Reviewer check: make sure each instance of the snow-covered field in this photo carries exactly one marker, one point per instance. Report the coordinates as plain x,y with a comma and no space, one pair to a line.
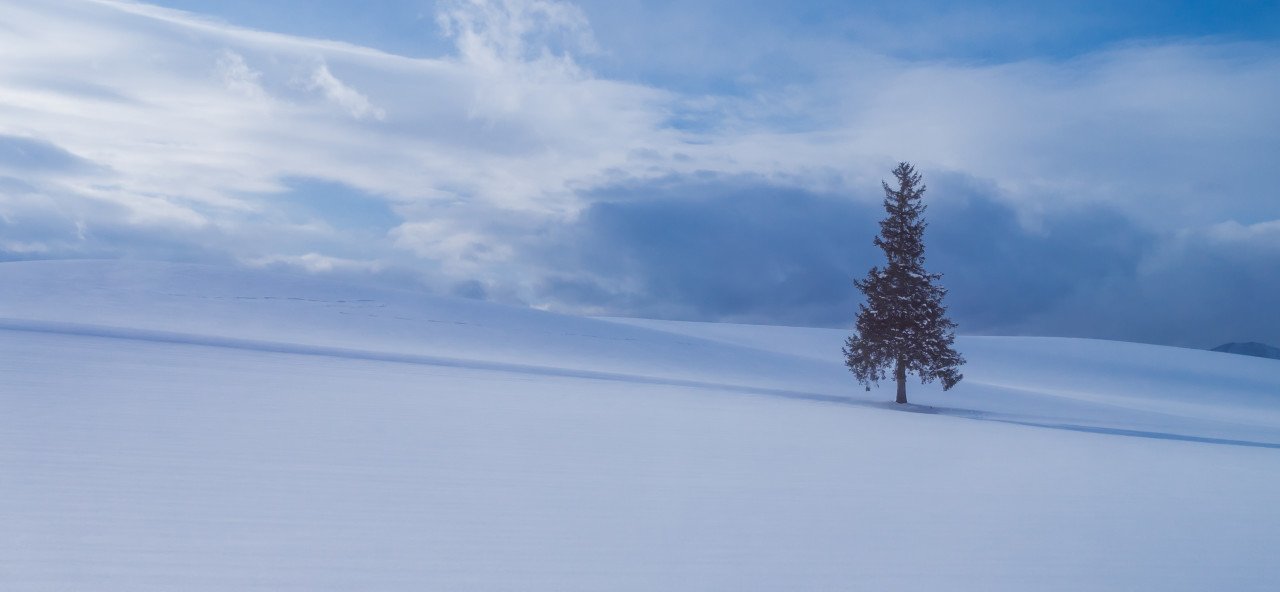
167,427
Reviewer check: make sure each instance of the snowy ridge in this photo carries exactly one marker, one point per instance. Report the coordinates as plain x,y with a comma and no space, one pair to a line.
167,337
214,302
1251,348
183,427
1085,384
1069,383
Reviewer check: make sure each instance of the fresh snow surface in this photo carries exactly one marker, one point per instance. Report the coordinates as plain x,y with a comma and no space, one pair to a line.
172,427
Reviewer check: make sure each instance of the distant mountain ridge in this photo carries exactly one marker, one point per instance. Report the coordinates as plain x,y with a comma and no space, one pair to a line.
1250,348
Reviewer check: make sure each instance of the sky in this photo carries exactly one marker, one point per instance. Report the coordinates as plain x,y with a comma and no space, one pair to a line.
1094,169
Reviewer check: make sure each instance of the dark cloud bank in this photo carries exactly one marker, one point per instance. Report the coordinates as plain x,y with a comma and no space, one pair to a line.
741,249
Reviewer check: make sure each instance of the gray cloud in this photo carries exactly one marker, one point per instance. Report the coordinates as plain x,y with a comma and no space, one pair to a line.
510,170
1003,271
35,224
1195,289
714,248
24,156
742,249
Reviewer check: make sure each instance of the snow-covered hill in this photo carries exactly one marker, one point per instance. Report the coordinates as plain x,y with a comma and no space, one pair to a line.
1250,348
167,427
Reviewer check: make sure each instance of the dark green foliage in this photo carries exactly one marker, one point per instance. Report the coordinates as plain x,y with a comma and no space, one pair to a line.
903,324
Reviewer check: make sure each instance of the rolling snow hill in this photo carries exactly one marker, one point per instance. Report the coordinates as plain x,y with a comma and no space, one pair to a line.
177,427
1250,348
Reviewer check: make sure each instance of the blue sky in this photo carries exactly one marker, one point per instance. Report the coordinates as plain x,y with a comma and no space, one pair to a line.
1097,169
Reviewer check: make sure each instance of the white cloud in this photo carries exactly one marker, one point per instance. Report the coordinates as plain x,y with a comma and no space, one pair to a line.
197,124
1247,235
23,248
238,76
494,34
344,96
317,263
465,253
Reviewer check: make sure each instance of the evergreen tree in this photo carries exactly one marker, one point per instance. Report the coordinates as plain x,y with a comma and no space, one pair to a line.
903,324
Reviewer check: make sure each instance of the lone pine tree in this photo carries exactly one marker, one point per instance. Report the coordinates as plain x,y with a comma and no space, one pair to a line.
903,324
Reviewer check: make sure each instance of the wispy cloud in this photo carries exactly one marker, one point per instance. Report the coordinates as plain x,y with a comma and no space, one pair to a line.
238,76
188,137
494,34
344,96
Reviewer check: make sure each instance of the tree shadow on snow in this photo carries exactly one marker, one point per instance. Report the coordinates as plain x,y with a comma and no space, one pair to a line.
1133,433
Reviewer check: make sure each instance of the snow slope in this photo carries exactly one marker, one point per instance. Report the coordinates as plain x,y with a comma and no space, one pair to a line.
170,427
1250,348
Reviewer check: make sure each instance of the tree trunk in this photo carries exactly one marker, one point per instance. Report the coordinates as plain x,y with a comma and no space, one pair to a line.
900,374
